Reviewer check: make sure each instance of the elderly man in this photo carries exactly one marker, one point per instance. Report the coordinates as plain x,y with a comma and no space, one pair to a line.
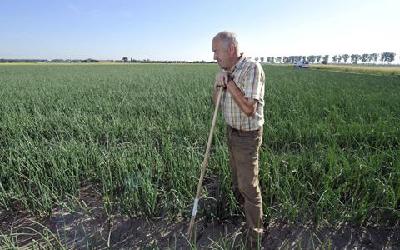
242,103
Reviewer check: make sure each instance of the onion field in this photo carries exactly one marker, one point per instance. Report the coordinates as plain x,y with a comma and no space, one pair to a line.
137,132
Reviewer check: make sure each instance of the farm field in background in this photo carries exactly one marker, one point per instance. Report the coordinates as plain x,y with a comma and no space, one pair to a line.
367,69
330,153
351,68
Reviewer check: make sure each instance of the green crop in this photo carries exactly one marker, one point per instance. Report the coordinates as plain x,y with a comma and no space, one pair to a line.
138,132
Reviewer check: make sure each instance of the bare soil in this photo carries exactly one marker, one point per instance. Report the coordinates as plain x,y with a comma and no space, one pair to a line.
90,227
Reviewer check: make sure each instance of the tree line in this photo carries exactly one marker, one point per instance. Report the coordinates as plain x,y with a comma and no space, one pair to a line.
385,57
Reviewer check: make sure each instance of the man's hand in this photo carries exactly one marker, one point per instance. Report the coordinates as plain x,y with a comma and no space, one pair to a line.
220,82
221,79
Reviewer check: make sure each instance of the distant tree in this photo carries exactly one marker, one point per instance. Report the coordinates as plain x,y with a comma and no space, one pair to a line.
388,57
339,58
256,58
262,59
334,58
355,58
374,57
57,60
311,59
319,58
325,59
89,60
345,57
370,58
279,59
364,57
124,59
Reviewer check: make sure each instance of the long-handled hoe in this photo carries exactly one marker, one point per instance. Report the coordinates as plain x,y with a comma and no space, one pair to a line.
204,166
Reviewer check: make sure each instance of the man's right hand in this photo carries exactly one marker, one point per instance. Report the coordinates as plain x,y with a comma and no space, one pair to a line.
220,82
221,79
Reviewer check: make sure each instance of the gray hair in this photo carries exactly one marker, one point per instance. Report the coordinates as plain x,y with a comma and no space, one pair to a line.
227,39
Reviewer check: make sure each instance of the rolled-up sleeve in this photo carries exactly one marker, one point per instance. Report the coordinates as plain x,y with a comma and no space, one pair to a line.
254,82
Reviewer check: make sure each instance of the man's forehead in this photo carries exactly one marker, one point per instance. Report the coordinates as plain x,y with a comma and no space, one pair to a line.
216,40
216,43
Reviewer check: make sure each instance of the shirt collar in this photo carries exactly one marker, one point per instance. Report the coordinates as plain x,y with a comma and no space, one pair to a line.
239,63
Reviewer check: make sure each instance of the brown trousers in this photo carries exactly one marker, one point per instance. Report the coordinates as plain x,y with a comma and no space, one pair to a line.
243,159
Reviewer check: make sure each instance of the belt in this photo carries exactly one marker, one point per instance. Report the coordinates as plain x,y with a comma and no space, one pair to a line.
237,130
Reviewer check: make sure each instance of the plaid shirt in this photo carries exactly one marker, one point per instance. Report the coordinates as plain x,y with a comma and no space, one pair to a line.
249,78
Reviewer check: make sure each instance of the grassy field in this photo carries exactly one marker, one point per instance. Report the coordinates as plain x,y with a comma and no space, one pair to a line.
363,69
330,153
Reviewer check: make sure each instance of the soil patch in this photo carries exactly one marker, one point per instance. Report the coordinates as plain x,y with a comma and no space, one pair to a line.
89,227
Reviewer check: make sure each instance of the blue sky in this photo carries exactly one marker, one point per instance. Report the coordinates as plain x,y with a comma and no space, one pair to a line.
183,29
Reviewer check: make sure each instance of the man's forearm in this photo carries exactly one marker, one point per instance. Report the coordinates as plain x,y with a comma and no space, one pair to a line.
247,106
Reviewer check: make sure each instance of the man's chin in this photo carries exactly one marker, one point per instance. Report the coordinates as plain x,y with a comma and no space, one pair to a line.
222,67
